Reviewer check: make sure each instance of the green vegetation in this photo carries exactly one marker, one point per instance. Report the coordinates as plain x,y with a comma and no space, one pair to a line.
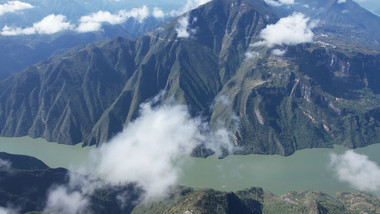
255,200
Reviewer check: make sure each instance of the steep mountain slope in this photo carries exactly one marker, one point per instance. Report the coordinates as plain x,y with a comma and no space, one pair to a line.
255,200
315,95
124,73
343,24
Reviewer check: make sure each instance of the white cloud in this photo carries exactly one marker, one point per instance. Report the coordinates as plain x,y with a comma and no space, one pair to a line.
151,150
181,29
190,5
94,21
219,140
357,170
49,25
14,6
158,13
279,2
138,13
251,55
292,30
341,1
148,148
4,164
224,100
278,52
7,210
61,200
72,197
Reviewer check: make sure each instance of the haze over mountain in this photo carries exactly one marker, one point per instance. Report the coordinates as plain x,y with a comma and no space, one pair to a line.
24,20
371,5
33,31
313,86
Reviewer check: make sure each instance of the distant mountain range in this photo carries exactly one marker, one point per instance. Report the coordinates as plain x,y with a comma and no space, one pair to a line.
312,88
19,52
22,48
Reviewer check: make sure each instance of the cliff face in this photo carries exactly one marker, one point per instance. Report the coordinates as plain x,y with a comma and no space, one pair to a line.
315,95
311,98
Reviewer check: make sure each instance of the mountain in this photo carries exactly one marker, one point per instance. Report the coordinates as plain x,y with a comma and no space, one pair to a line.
315,95
255,200
21,51
346,25
26,183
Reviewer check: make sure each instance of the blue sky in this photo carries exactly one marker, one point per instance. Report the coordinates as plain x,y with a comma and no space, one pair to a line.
371,5
27,16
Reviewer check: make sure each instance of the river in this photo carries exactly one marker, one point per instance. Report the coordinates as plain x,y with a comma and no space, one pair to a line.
304,170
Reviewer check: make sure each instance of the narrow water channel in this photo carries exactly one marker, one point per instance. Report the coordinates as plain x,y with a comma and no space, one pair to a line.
306,169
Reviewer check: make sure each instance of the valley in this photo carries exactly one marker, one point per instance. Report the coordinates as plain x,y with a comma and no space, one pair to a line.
220,106
307,169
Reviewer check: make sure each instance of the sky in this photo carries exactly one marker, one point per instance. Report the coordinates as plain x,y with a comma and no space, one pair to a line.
55,22
371,5
21,12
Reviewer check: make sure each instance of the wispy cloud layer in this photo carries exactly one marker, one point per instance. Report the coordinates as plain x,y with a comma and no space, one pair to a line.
7,210
190,5
279,52
14,6
94,21
292,30
73,197
62,201
251,55
4,164
183,28
277,3
149,150
49,25
158,13
357,170
149,153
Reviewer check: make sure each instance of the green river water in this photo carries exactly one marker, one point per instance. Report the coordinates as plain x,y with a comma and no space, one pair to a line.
306,169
